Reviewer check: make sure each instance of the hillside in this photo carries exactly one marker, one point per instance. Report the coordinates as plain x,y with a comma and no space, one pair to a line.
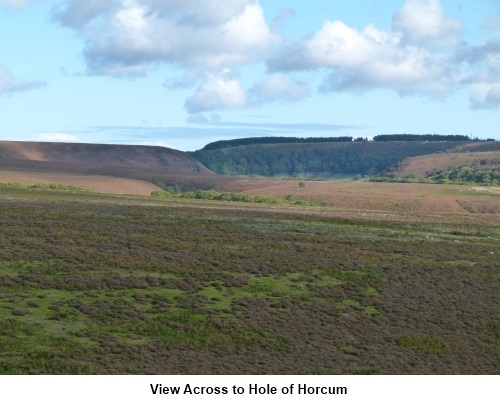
142,169
96,183
421,166
325,160
97,167
101,156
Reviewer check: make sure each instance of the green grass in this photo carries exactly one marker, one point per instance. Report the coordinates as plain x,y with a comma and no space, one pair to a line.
43,186
217,299
371,310
428,345
344,304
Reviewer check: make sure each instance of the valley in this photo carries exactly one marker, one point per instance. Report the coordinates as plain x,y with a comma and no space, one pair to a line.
98,276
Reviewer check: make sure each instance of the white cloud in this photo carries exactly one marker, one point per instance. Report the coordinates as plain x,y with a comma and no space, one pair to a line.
278,87
484,82
200,37
485,95
215,93
56,137
76,14
128,37
407,71
201,12
336,44
8,84
405,59
422,22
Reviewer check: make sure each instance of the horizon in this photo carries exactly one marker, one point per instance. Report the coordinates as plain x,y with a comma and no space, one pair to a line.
182,75
366,139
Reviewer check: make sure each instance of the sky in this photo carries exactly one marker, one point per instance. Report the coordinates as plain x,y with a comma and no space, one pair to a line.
183,73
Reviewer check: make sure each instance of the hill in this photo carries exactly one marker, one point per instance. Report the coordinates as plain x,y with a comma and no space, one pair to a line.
98,167
326,160
422,166
102,156
127,169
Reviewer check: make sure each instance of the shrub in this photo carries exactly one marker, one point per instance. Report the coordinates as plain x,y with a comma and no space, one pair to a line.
55,186
13,185
230,196
161,193
20,312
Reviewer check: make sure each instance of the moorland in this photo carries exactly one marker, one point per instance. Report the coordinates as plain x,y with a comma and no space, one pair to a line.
329,278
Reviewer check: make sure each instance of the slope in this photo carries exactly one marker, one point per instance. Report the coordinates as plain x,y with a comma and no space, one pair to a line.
99,167
421,166
325,160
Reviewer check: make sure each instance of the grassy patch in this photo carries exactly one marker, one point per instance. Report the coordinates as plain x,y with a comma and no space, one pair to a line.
428,345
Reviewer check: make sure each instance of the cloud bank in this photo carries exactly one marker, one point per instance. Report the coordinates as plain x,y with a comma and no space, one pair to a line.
423,23
129,36
403,59
422,53
484,83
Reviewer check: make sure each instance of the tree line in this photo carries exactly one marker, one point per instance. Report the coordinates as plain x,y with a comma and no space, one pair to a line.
266,140
273,140
325,160
422,138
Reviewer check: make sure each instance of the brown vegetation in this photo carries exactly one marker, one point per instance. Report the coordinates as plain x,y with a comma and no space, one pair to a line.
133,285
421,166
103,168
401,199
100,184
102,156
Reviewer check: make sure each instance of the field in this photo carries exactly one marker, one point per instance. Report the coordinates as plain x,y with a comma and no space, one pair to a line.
419,202
100,184
362,282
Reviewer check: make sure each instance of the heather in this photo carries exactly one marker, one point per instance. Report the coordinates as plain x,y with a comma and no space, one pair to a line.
97,284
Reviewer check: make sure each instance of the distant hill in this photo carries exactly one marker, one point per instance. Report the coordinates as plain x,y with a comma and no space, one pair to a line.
274,140
422,166
50,161
327,159
481,168
102,156
261,140
142,169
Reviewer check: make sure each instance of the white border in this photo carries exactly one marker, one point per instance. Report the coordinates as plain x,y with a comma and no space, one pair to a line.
124,390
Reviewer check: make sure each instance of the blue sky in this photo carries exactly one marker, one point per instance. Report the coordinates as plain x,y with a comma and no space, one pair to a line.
185,73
